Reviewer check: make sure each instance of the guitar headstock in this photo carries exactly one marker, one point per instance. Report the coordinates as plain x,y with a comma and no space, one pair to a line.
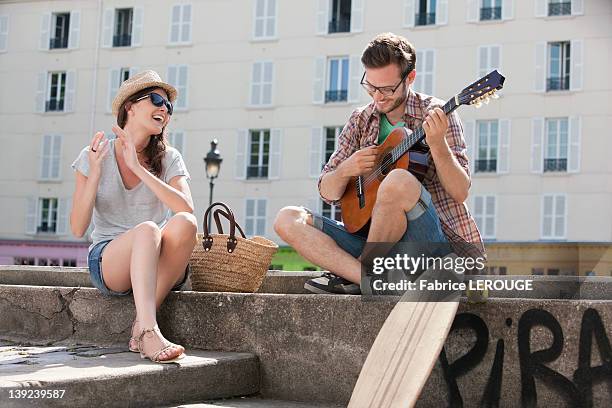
481,90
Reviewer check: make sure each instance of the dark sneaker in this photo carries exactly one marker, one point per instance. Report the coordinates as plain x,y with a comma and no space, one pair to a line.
328,283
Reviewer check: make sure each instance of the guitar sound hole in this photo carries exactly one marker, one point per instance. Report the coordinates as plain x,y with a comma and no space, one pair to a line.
386,164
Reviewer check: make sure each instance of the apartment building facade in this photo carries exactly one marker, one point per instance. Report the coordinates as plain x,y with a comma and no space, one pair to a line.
275,81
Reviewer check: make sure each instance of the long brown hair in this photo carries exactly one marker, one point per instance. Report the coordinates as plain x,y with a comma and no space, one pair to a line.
156,148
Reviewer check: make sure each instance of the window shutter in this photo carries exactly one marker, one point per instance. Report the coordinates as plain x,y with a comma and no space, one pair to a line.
495,58
357,16
31,221
483,61
469,127
576,50
409,12
75,29
177,140
503,159
547,216
45,23
316,151
56,157
133,71
322,17
318,84
473,7
137,26
442,12
70,91
241,153
577,7
430,64
489,216
560,216
4,22
183,79
355,72
537,148
62,216
541,8
271,20
41,92
507,9
107,30
275,153
313,205
113,86
186,24
256,83
175,24
268,80
45,157
540,67
574,145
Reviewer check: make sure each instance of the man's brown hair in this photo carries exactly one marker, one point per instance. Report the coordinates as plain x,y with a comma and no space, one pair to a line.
389,48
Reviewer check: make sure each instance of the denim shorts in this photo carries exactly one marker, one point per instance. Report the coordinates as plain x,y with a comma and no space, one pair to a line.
94,260
423,229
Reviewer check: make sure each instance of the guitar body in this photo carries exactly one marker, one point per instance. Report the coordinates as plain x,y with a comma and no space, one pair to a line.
356,217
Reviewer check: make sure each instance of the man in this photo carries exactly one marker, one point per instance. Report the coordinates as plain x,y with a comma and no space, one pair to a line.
405,209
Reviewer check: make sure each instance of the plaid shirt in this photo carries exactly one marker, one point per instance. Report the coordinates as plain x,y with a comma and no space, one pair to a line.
362,131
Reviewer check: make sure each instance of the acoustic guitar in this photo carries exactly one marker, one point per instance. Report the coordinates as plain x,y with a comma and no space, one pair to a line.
404,149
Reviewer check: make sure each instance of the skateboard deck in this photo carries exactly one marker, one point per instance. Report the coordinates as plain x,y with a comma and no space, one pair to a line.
405,350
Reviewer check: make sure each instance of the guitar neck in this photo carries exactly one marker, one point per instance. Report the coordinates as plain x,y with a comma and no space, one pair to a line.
419,134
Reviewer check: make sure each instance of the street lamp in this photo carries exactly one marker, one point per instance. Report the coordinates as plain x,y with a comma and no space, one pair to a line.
213,164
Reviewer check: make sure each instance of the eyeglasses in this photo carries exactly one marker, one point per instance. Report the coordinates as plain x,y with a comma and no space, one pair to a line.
157,100
384,90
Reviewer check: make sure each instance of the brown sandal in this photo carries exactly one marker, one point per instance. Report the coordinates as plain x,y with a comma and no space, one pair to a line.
133,343
159,346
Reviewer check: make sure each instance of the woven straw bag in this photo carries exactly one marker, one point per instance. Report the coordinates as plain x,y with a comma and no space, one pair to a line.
226,263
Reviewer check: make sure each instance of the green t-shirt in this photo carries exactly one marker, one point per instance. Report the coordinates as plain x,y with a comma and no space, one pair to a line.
386,127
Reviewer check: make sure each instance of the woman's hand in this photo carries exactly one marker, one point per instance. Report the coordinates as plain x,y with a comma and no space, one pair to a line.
128,149
97,150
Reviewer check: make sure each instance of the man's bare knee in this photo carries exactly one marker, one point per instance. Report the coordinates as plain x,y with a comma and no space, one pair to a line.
399,188
290,217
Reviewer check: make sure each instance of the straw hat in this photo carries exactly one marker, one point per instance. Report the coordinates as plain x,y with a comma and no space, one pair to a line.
138,82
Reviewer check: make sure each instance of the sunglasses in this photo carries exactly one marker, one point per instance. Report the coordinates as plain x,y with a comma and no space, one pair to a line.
157,100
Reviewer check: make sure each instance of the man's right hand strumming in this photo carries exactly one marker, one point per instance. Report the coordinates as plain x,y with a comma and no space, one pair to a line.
359,163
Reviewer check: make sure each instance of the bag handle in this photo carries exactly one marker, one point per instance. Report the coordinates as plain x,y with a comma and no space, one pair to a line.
227,217
231,240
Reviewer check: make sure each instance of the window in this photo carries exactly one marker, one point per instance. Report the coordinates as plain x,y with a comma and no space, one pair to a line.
486,159
484,214
558,66
491,10
489,58
69,262
24,261
537,271
178,77
116,78
51,157
180,24
331,211
48,215
553,216
56,92
331,138
261,83
426,13
559,8
338,77
340,21
255,221
556,145
425,66
122,33
259,154
264,26
176,139
552,271
60,25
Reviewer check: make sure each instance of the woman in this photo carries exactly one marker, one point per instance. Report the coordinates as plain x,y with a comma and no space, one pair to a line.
131,184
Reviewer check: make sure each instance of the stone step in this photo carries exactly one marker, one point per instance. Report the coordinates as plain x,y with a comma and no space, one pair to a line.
247,402
92,376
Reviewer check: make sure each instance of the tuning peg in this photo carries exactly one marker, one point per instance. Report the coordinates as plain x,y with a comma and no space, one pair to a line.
478,104
494,95
486,100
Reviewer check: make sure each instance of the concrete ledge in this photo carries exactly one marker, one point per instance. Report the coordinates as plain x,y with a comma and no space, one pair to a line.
311,347
90,376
